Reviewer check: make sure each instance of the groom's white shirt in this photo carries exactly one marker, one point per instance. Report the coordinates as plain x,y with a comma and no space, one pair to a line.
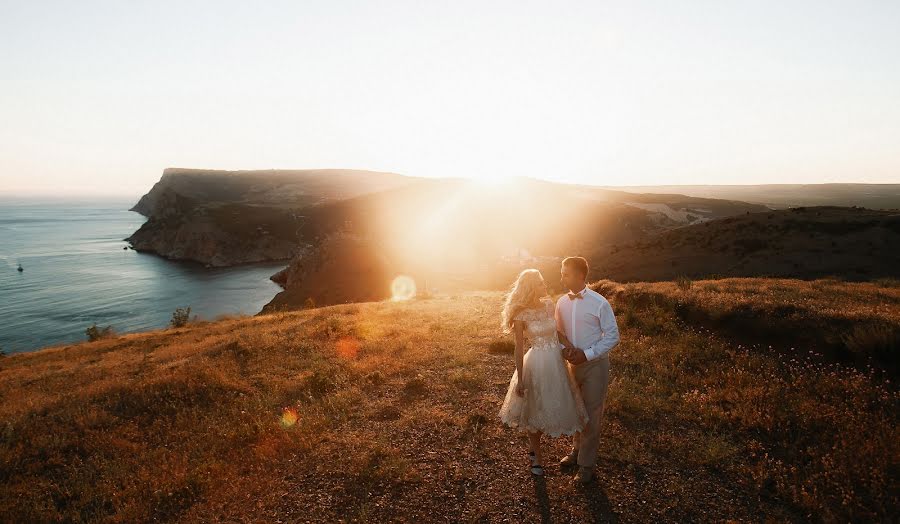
588,323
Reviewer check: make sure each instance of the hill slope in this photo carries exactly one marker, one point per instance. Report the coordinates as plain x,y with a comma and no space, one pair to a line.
456,232
224,218
777,196
387,411
810,242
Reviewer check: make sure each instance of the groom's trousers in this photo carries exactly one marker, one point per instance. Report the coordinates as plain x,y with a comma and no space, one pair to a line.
593,380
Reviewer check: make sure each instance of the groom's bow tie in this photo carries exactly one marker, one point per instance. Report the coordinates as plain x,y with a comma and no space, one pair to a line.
573,296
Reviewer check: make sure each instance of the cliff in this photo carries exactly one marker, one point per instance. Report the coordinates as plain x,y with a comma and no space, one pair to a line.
217,235
224,218
340,269
271,188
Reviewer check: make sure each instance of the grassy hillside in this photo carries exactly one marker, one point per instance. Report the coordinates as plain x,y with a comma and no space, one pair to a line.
450,231
813,242
270,187
852,323
387,411
873,196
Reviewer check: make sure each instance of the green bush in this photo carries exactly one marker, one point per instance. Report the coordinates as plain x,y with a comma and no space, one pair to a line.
96,333
684,283
180,317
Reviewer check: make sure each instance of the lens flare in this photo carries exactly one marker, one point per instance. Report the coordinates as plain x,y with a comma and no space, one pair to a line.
347,348
403,288
289,417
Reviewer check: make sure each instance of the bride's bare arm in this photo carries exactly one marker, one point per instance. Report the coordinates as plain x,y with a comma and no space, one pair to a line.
559,330
519,330
563,340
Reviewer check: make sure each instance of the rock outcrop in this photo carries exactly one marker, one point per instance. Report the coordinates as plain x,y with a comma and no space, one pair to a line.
225,218
341,268
181,228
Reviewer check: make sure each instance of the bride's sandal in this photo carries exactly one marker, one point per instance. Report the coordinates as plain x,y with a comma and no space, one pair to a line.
536,469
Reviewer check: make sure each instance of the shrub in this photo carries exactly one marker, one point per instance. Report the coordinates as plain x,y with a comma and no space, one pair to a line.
180,317
322,382
376,378
415,387
310,303
683,283
879,341
502,347
607,288
96,333
887,282
465,379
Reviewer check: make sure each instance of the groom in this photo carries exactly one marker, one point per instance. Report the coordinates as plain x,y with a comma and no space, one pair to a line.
587,320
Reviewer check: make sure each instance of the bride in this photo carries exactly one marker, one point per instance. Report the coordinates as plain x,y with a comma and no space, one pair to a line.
542,395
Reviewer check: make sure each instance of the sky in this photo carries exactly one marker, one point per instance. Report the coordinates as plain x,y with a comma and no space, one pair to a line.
98,97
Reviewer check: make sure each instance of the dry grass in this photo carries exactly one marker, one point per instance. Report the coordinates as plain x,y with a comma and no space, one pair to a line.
854,323
387,411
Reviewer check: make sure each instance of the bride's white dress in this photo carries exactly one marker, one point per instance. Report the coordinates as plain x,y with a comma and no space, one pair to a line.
552,403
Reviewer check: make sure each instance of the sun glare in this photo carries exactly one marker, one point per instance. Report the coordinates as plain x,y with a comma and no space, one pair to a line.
289,417
347,348
403,288
492,180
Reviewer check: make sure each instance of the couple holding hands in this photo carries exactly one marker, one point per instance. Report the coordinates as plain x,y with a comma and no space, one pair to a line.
561,378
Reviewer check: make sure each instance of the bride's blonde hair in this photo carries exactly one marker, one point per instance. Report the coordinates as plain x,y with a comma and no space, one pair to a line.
525,293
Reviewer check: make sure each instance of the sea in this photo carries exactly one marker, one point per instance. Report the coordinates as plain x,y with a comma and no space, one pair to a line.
77,272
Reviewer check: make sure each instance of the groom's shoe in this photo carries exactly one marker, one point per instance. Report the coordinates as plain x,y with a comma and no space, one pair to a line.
570,460
585,474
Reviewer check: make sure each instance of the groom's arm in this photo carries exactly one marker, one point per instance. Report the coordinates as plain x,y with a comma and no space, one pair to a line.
610,333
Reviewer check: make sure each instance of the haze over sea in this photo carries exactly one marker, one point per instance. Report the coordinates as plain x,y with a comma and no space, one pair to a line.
77,273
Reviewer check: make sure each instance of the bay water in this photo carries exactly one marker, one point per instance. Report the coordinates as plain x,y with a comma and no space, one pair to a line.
76,273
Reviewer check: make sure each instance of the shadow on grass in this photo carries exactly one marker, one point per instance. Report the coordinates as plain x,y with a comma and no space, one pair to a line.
540,493
597,502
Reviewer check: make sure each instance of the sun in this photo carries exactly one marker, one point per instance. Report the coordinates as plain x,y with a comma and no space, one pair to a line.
492,179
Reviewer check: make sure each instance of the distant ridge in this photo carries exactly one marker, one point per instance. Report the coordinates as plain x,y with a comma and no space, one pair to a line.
224,218
872,196
805,242
279,187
